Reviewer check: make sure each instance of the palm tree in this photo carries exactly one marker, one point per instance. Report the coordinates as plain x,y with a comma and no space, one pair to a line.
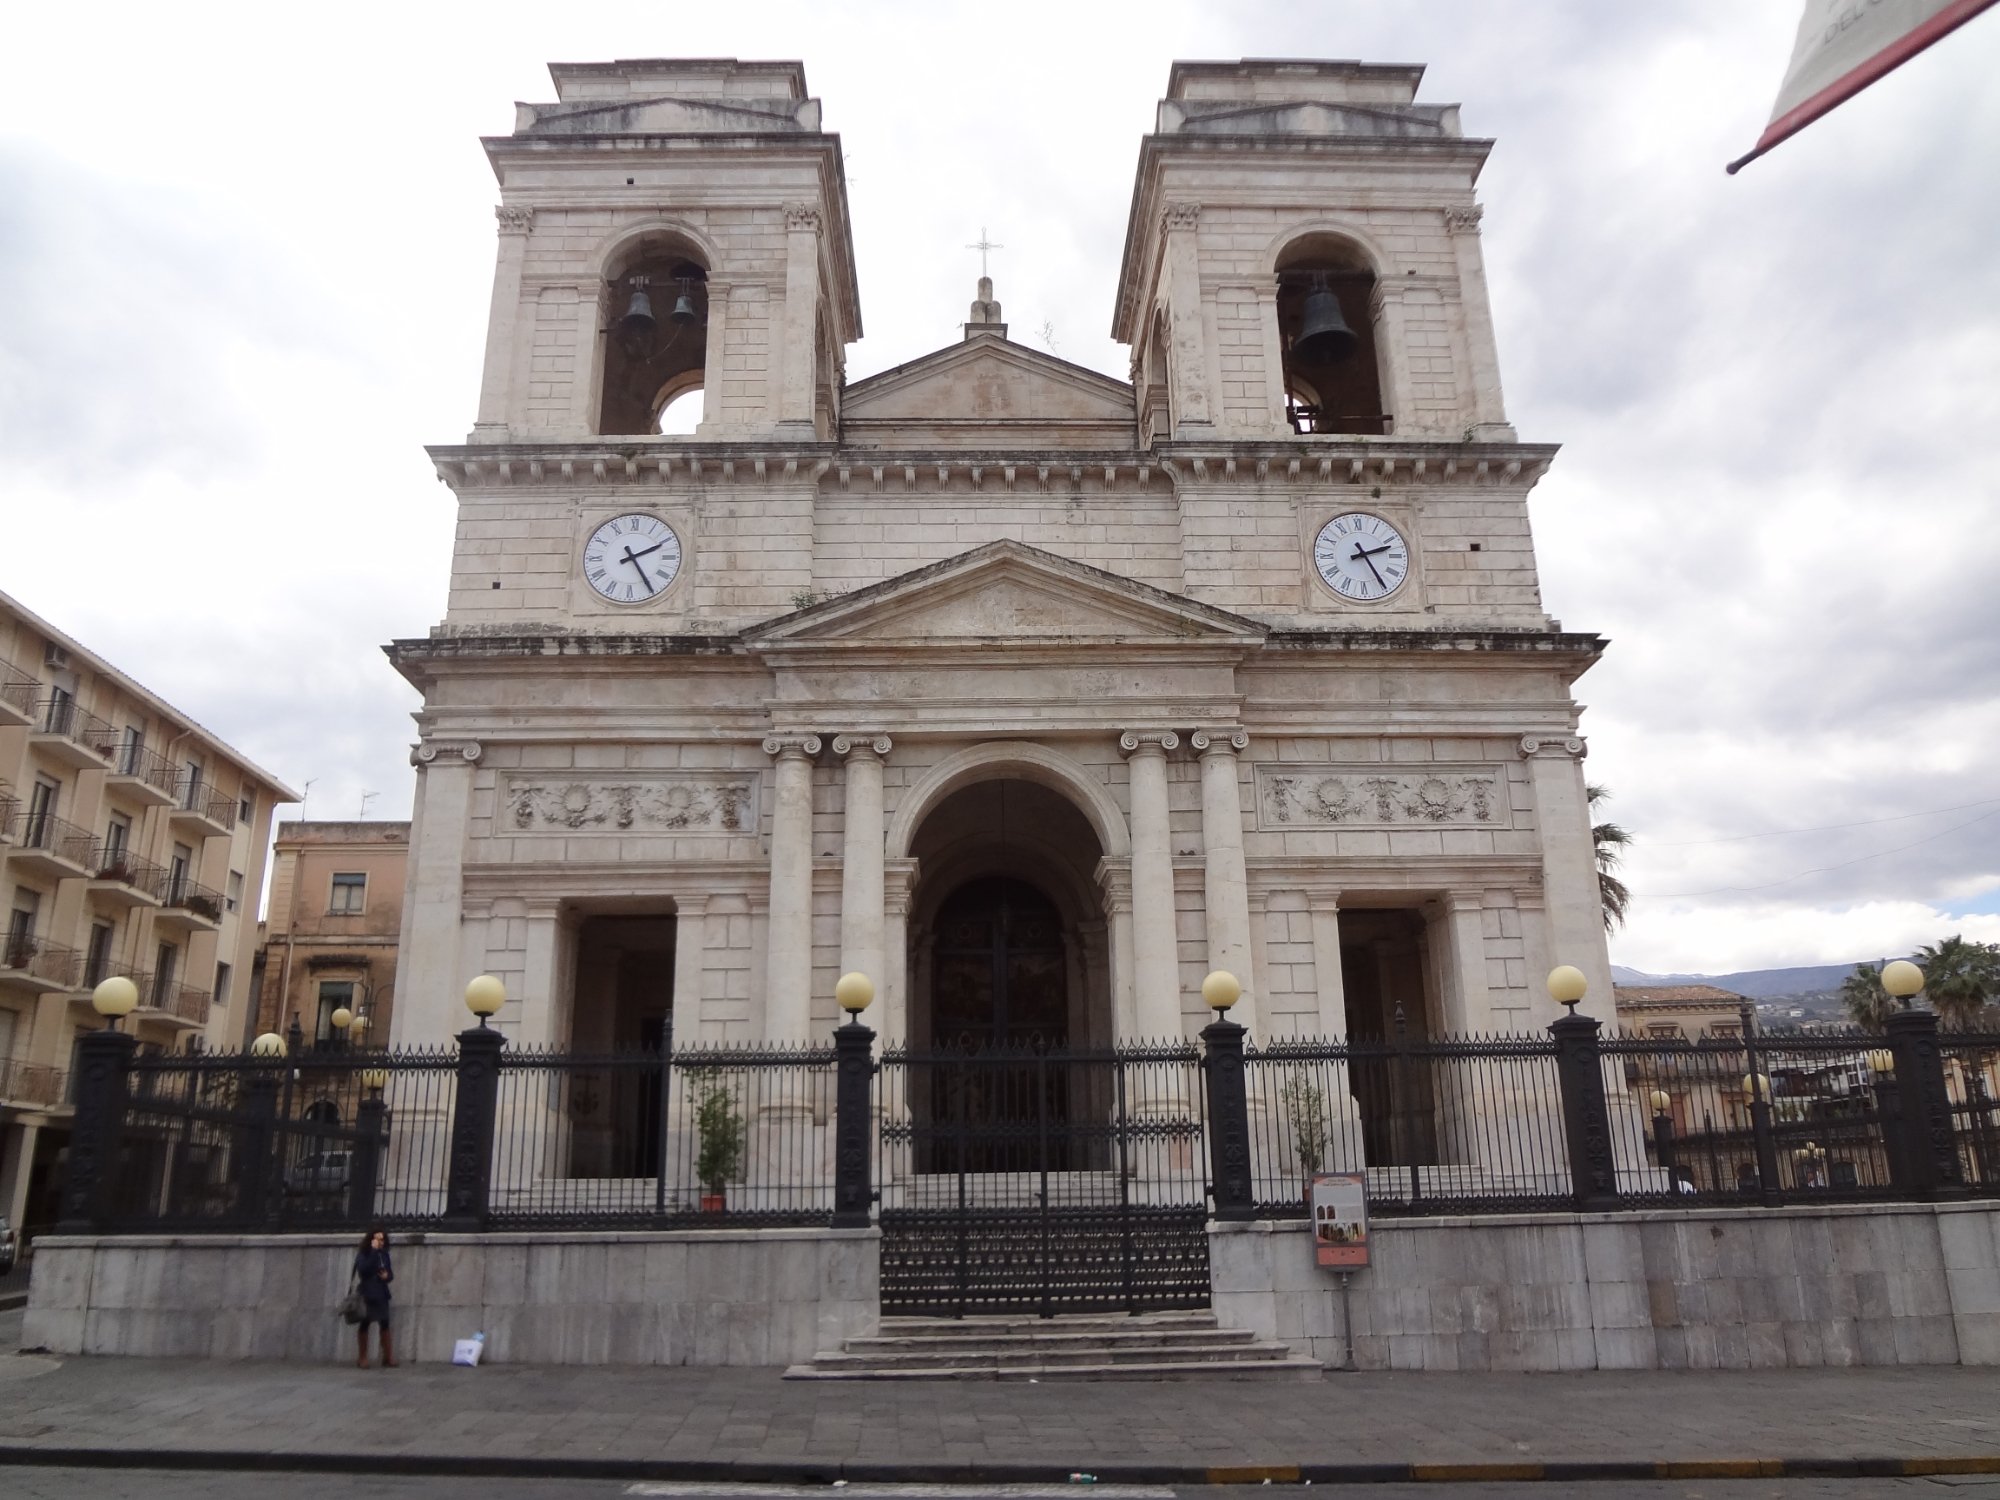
1866,1001
1608,841
1960,978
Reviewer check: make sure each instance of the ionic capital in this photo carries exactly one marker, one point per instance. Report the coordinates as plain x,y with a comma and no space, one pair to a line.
1225,739
792,746
425,753
1560,747
1148,741
862,745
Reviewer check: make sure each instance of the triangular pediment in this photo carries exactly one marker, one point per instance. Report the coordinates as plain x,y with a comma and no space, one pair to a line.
989,378
1007,594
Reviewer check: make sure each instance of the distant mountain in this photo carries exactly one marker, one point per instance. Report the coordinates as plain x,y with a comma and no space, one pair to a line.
1758,984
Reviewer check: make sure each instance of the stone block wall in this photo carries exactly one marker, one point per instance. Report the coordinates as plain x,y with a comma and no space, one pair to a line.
718,1297
1891,1284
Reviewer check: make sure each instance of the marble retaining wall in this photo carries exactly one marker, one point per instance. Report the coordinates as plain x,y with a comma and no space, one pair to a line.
1758,1288
717,1297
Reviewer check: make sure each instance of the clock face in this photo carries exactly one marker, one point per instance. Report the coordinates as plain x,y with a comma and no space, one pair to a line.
632,558
1361,557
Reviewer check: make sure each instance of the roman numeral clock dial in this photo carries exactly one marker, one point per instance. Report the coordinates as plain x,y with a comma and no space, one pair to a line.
1361,557
632,558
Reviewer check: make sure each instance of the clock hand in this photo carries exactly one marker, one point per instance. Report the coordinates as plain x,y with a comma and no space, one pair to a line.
1362,554
630,554
632,558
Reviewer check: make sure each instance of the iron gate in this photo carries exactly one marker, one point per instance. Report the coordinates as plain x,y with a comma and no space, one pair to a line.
1041,1182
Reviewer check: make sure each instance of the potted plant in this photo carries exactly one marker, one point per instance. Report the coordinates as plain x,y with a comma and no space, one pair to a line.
1305,1112
719,1135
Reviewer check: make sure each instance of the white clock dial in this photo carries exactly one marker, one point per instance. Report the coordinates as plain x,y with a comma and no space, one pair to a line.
1361,557
632,558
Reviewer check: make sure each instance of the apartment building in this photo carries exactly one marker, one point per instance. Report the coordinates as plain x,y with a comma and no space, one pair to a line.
330,939
131,842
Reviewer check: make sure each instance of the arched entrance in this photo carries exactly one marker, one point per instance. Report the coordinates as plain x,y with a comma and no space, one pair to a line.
1037,1167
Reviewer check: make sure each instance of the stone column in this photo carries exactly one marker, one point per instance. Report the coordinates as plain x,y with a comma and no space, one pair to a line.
1323,909
503,325
539,1012
1399,400
895,981
798,329
1575,917
1471,1009
1155,959
788,942
861,893
1115,880
1226,885
429,981
690,961
1486,411
1187,358
715,358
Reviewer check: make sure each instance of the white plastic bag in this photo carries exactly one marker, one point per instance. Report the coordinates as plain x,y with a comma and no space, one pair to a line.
467,1351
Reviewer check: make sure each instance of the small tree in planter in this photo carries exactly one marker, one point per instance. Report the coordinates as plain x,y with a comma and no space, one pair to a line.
1305,1112
719,1135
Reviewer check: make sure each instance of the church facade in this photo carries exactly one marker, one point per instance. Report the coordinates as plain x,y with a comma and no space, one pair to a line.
1033,694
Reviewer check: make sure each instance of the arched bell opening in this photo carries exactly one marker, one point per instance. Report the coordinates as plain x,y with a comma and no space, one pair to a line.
654,346
1326,331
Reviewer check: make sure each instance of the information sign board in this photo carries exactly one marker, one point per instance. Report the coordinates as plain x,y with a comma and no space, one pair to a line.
1340,1220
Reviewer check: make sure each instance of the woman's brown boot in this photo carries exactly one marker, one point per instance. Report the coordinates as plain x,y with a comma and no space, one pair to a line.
388,1348
361,1347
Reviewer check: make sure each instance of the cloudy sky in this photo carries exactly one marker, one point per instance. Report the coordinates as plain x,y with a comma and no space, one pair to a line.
245,255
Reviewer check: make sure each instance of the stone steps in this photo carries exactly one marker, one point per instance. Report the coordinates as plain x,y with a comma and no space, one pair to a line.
1153,1346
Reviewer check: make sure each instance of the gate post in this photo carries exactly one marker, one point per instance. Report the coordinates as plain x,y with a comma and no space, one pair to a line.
1228,1104
371,1123
103,1086
254,1139
472,1121
854,1071
1929,1144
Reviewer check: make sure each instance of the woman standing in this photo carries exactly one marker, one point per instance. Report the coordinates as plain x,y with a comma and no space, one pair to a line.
373,1273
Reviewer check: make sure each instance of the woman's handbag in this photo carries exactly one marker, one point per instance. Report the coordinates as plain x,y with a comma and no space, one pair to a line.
350,1308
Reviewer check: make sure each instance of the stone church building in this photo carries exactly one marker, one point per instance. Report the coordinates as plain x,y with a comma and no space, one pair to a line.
1031,693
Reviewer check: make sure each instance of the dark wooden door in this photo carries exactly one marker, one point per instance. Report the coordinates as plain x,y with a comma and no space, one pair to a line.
999,976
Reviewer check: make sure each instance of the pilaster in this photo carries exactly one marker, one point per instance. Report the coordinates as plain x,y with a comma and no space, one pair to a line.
429,978
1155,969
788,944
1225,884
503,333
861,893
1575,914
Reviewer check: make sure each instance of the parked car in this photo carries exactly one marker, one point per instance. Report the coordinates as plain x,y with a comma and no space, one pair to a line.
319,1172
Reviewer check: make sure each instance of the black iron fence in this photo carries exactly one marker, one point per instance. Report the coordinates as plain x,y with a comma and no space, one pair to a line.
1006,1180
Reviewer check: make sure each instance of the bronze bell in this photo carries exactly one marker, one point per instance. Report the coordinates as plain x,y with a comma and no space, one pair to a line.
684,310
637,324
1324,337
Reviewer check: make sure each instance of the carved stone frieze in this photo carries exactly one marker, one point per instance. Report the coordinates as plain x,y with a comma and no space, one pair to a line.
668,803
1381,797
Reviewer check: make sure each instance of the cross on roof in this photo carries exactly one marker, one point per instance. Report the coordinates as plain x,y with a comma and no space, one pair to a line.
982,245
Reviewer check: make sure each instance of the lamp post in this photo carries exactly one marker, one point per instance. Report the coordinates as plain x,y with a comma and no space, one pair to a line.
372,1128
1228,1102
1593,1170
476,1107
103,1087
1663,1134
854,1072
1929,1147
114,1000
340,1020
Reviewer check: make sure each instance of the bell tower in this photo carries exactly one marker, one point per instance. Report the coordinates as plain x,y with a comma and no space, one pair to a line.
671,232
1303,258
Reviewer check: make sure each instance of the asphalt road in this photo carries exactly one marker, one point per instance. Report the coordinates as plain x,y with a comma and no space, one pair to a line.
155,1484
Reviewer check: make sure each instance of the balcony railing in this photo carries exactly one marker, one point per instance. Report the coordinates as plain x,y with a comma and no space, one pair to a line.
30,1084
72,721
55,836
196,798
149,766
18,690
192,897
181,1001
52,963
125,867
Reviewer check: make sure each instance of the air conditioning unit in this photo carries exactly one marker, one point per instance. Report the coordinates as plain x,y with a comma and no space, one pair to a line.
54,656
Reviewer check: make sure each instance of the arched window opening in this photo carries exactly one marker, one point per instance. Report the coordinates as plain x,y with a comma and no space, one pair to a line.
656,341
681,411
1326,327
322,1112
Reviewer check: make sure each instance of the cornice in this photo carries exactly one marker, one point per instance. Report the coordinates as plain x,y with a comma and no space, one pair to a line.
624,462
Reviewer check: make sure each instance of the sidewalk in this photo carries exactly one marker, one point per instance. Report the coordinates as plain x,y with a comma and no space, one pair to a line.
749,1424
